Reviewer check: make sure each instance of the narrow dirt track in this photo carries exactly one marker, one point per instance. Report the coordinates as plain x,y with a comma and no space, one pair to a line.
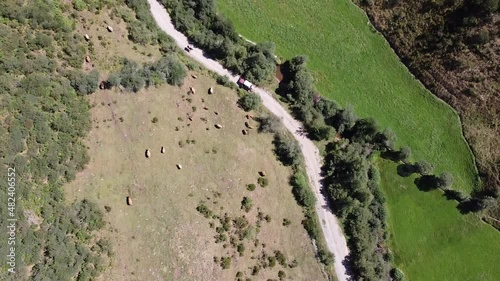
331,229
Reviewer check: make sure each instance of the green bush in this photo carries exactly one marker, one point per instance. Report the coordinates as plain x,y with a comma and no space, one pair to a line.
251,187
83,83
270,124
397,274
301,189
204,210
225,262
287,150
134,77
240,249
249,101
246,204
263,182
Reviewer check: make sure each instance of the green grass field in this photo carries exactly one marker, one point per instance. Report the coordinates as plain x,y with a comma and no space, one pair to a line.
431,240
354,65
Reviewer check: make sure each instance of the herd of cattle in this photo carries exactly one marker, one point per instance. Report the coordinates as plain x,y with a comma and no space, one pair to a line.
192,90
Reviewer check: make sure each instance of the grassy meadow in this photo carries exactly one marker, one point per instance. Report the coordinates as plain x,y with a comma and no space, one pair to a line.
431,240
162,236
355,66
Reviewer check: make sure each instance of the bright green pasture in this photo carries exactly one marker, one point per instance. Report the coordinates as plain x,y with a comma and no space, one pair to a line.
431,240
354,65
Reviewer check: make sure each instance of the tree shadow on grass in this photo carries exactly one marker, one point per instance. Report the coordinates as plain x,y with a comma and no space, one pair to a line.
405,170
426,183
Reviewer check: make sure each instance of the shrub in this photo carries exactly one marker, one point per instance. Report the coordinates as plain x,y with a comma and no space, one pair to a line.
204,210
224,81
249,101
225,262
83,83
301,189
251,187
325,257
280,257
270,124
287,150
263,182
154,120
286,222
281,274
397,274
246,204
240,249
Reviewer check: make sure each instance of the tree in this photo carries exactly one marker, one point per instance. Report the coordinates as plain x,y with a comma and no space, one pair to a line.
397,274
444,180
287,150
404,153
487,202
345,119
249,101
270,124
385,140
423,167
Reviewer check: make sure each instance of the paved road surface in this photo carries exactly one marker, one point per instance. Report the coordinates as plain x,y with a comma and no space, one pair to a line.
331,229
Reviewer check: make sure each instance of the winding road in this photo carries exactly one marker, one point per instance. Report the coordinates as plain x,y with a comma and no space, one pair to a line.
332,231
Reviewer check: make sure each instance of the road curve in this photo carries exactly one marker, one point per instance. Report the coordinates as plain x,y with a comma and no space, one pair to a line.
332,231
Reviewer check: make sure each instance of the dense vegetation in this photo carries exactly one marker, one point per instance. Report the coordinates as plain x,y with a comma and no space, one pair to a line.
216,35
451,47
133,77
44,119
142,27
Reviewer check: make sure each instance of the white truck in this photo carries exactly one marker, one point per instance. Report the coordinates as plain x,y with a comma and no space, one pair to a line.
245,84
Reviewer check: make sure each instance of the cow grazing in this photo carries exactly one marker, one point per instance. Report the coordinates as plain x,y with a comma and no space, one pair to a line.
162,150
148,153
129,201
244,132
192,90
109,28
248,125
262,173
211,90
87,37
179,166
218,126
